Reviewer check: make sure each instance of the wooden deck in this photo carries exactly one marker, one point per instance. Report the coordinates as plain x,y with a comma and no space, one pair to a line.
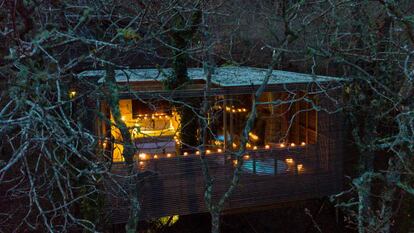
175,186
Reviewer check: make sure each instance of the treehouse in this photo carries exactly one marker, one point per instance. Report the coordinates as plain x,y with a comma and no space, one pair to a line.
294,151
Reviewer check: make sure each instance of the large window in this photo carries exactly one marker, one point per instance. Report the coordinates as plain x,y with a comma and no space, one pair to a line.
282,119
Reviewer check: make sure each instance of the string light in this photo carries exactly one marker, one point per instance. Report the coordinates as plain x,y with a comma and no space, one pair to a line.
246,157
255,148
155,156
253,136
197,152
208,151
168,155
185,153
143,156
289,160
303,144
267,147
282,145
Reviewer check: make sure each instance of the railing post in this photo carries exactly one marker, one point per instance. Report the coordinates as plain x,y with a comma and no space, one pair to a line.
254,162
275,164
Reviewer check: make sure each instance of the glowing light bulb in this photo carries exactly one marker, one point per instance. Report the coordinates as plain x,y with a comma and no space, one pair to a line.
197,152
155,156
219,150
267,147
282,145
289,160
303,144
246,157
255,148
300,167
292,144
168,155
208,151
185,153
141,163
142,156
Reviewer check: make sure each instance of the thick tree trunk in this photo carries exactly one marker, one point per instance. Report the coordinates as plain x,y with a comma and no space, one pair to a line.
128,152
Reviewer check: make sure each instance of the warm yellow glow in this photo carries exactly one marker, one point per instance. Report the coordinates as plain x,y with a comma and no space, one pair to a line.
234,145
219,150
235,162
197,152
123,118
228,109
169,155
233,110
289,160
143,156
244,110
117,153
300,167
282,145
239,110
155,156
303,144
292,144
72,94
208,151
267,147
255,148
185,153
168,220
246,157
141,163
248,145
253,136
104,144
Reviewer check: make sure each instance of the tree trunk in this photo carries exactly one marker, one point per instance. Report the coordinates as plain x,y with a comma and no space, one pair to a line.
215,222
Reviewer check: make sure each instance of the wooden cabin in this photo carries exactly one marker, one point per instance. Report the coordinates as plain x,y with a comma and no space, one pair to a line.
294,150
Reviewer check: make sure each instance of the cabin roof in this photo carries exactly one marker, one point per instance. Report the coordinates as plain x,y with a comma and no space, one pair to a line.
229,76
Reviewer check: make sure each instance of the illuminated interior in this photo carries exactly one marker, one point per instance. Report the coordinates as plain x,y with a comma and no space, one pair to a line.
288,120
153,131
154,125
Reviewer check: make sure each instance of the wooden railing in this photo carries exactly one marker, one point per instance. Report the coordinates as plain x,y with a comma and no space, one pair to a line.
175,185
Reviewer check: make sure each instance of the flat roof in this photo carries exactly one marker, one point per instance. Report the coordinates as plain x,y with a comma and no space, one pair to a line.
228,76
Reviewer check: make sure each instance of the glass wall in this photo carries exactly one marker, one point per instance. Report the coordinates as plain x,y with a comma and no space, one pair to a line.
284,119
